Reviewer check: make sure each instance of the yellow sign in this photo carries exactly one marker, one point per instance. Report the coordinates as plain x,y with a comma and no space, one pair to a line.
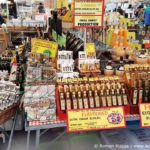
88,7
84,21
95,119
43,46
90,47
88,13
145,115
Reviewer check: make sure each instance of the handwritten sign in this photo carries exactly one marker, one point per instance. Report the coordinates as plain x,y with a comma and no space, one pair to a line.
145,115
95,119
88,13
43,46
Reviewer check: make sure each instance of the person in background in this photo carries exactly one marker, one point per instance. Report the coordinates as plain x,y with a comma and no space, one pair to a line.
41,8
120,11
1,19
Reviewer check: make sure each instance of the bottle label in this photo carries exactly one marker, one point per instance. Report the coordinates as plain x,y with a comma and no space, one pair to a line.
125,100
114,100
97,102
140,95
85,103
119,100
80,104
135,97
104,102
62,103
109,102
68,104
75,106
91,103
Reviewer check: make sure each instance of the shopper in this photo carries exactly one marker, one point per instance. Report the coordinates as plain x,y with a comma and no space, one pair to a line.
1,19
147,18
41,8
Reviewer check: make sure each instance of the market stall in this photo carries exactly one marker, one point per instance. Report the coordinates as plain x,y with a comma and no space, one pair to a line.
84,69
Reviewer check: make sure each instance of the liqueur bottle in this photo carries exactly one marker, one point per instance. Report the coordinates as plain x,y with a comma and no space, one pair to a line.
103,99
80,102
91,100
74,101
113,97
124,97
85,100
68,101
135,93
109,102
97,99
62,102
119,98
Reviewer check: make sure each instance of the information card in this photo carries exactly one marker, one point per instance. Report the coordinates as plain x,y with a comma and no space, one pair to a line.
95,119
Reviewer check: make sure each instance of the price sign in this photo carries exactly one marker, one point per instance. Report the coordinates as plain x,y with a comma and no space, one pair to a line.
95,119
145,115
88,13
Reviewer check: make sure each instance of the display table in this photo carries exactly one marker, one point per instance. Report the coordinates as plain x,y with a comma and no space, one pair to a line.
38,126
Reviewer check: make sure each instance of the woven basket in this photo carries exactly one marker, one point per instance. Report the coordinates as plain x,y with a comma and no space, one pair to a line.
8,113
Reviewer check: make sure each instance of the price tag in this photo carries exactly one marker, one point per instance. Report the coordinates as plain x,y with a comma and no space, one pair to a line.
145,115
95,119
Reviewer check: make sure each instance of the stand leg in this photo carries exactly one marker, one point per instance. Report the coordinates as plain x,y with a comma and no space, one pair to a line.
37,139
28,140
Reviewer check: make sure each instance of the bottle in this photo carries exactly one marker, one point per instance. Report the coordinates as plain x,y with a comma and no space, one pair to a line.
120,69
97,99
119,98
74,100
109,71
109,102
91,100
80,102
85,100
62,102
146,97
113,97
135,93
140,84
103,99
68,101
124,97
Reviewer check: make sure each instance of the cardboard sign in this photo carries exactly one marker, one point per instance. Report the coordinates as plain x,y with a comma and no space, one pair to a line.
145,115
88,14
90,48
95,119
43,46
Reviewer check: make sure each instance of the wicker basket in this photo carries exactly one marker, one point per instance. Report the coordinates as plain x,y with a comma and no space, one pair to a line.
8,113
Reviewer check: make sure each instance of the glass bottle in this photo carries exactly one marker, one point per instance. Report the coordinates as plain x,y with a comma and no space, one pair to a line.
97,99
80,102
62,102
68,101
74,100
91,100
85,100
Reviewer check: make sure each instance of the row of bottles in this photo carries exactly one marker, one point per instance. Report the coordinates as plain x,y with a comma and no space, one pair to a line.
138,79
104,94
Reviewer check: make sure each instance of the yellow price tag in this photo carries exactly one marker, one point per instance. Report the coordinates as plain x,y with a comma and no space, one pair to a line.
145,115
95,119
